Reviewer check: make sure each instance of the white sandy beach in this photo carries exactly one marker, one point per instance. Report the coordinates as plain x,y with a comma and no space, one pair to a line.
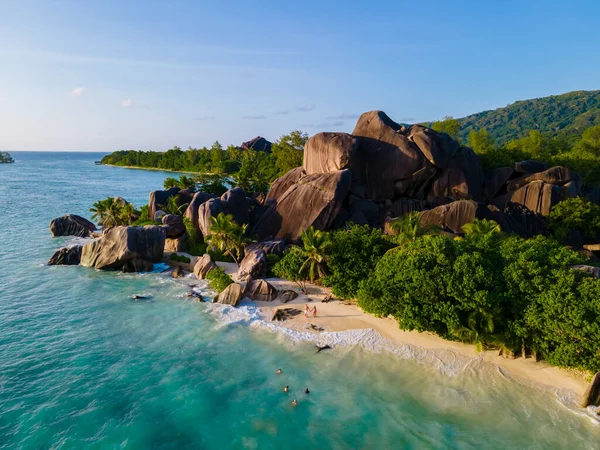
339,315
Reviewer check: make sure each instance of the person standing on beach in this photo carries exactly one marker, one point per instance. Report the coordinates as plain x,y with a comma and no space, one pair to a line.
314,311
306,310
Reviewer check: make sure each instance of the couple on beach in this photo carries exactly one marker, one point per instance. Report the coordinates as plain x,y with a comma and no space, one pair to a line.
308,310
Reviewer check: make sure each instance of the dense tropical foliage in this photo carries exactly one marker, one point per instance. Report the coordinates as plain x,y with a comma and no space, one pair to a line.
112,212
250,169
228,236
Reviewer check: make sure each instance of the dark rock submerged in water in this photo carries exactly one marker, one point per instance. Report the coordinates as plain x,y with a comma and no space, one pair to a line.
125,246
72,225
66,256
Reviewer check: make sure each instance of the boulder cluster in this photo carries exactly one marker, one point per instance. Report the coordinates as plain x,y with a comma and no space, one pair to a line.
383,170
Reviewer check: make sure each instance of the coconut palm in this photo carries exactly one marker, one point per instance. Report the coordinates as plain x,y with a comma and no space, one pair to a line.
482,227
228,236
172,206
315,244
408,228
112,212
479,326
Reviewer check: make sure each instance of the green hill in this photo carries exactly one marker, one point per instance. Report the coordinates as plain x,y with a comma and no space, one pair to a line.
566,114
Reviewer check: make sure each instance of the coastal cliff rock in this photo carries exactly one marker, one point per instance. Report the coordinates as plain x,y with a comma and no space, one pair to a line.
232,202
125,246
191,211
173,226
438,148
283,183
315,200
254,265
591,395
531,166
260,291
203,265
404,206
157,199
72,225
462,178
497,182
537,196
329,152
259,144
231,295
66,256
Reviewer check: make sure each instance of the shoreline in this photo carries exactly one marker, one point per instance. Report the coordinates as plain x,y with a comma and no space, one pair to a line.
341,316
155,169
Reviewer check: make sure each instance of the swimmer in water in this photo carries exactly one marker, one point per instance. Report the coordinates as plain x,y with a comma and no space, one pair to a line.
295,402
286,389
306,391
278,372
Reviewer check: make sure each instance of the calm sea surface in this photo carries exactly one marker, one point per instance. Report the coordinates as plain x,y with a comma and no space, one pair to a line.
82,365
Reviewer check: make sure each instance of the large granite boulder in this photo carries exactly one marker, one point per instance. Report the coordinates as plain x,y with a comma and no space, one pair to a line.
231,295
178,244
453,216
173,225
438,148
531,166
260,291
272,247
315,201
329,152
404,206
191,211
259,143
558,175
232,202
591,396
157,199
72,225
283,183
592,270
254,265
463,178
137,265
364,211
122,245
66,256
388,163
538,196
497,182
203,265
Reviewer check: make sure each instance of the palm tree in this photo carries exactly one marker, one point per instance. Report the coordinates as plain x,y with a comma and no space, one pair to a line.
408,228
112,212
482,227
99,208
315,244
226,235
172,207
480,325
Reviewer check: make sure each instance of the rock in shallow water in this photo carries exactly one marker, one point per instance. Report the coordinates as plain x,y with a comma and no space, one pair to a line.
72,225
66,256
122,245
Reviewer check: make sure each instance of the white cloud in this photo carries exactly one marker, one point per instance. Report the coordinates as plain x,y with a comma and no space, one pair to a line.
77,91
306,107
128,103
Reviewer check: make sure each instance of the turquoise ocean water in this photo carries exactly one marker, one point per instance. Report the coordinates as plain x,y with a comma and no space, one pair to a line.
82,365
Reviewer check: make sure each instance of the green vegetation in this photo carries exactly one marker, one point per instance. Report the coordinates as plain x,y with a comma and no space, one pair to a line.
196,247
112,212
227,236
575,215
290,267
250,169
184,182
179,258
173,207
5,158
272,259
566,115
493,291
408,228
218,279
448,125
353,254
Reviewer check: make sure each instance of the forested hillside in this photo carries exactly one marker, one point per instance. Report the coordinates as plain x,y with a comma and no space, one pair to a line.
566,114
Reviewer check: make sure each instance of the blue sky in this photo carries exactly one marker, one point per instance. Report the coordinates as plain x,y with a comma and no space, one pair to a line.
106,75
